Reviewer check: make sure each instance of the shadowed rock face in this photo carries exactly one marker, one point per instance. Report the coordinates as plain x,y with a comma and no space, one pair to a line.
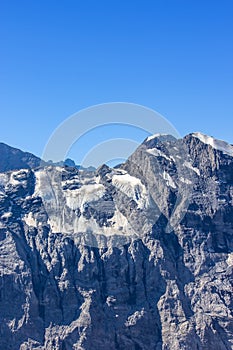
139,257
12,158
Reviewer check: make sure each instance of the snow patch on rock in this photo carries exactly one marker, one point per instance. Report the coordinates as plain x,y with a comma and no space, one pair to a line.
230,259
169,180
157,153
152,137
87,193
186,181
132,187
30,220
189,165
216,144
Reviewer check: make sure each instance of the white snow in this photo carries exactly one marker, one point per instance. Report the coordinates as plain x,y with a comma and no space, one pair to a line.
186,181
43,187
154,136
168,180
132,187
120,224
216,144
6,215
29,220
18,177
157,153
55,224
189,165
87,193
3,179
70,182
119,171
53,196
230,259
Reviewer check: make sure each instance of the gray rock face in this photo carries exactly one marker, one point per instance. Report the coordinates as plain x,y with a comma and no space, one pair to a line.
139,257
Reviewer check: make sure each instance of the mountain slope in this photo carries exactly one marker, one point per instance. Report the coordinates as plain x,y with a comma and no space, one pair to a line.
12,158
139,257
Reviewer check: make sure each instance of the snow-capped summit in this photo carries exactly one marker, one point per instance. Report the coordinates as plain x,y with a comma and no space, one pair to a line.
216,144
149,138
158,137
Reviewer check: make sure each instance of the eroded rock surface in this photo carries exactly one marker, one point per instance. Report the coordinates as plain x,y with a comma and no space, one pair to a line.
139,257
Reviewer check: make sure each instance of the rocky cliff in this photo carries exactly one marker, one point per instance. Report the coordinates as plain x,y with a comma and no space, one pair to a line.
135,257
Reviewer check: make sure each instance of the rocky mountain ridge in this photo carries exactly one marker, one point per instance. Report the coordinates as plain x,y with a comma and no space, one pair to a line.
12,158
137,257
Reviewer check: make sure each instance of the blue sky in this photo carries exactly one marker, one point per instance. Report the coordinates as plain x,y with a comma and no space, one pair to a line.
58,57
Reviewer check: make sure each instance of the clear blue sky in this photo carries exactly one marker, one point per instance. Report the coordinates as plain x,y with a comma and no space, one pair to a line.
57,57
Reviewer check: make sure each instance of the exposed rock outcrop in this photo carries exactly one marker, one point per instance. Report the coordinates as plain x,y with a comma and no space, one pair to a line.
138,257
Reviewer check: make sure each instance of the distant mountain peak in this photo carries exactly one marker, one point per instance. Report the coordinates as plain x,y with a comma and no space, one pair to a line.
12,158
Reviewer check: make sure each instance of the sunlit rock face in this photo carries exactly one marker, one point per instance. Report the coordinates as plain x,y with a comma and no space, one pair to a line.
135,257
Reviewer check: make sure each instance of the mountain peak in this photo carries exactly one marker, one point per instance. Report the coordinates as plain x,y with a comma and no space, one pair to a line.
127,258
151,137
158,138
219,145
